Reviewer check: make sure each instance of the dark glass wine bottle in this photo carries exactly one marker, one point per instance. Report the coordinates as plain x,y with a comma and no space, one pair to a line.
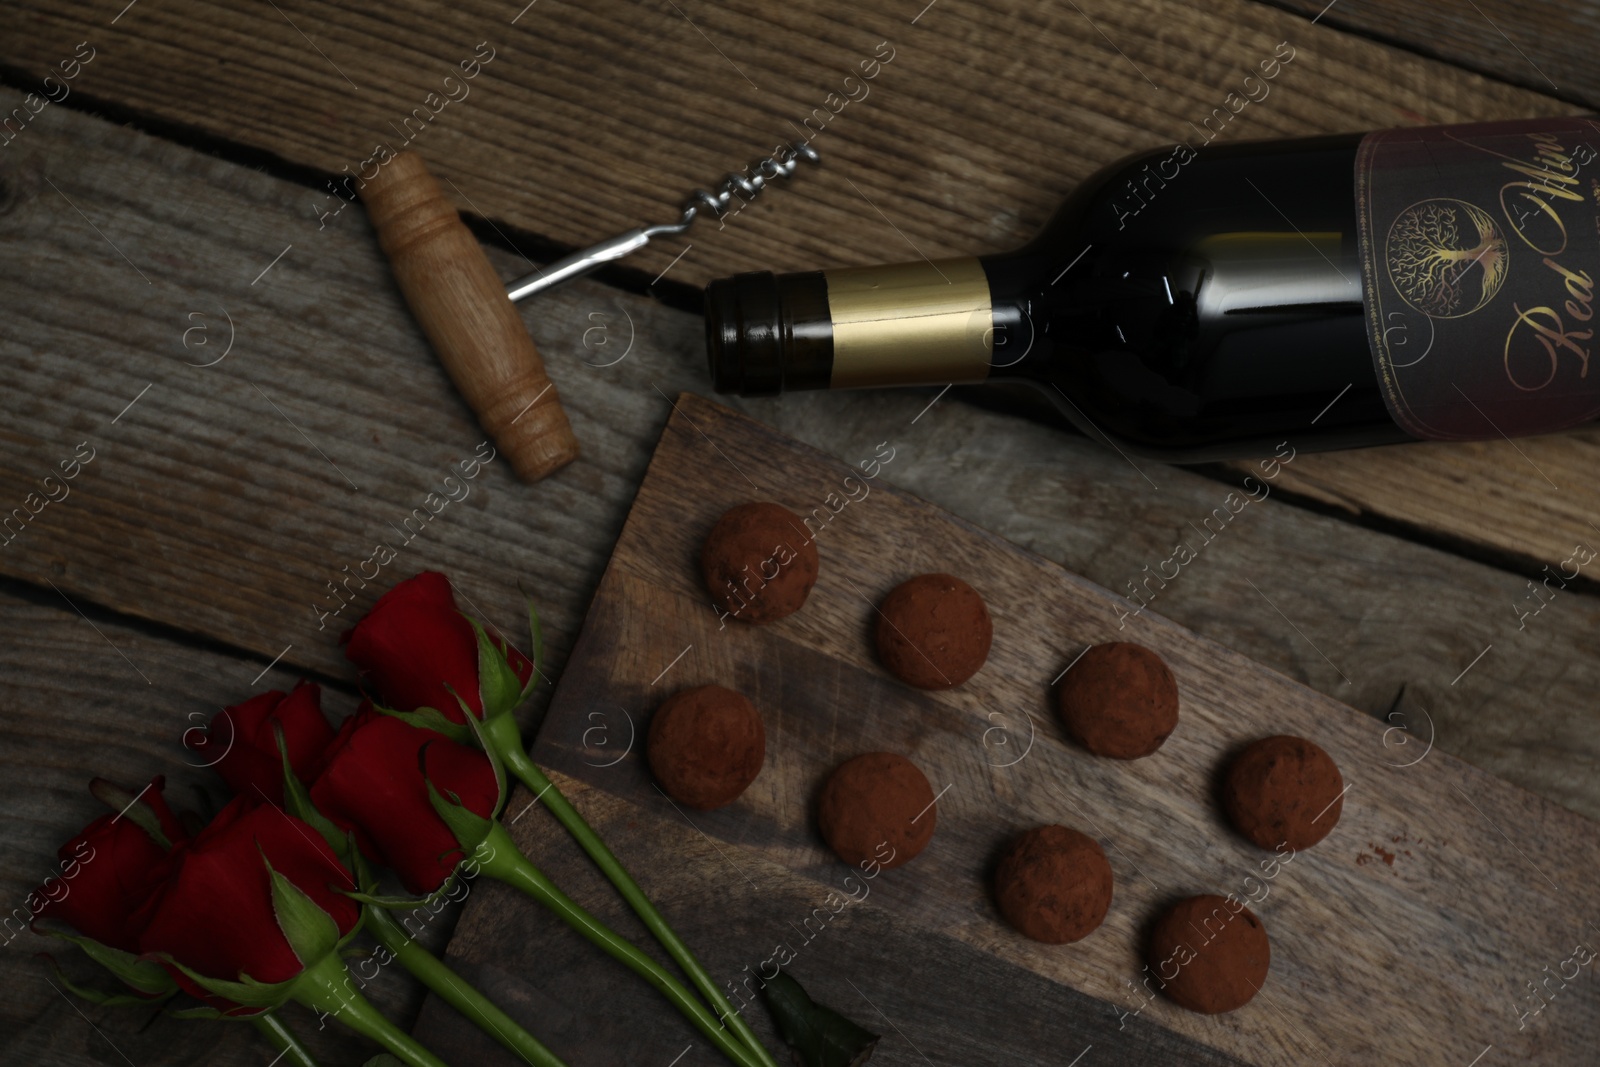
1200,303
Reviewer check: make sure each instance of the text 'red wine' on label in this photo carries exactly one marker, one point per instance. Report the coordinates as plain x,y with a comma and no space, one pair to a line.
1478,247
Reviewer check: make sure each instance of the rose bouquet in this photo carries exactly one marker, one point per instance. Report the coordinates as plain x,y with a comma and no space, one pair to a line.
245,915
259,906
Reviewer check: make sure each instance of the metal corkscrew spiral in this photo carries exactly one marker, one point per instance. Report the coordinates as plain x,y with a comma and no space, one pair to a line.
745,186
762,171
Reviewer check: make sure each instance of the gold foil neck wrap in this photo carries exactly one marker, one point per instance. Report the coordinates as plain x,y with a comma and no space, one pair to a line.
910,323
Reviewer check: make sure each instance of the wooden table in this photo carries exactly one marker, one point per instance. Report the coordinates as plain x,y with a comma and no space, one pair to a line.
173,207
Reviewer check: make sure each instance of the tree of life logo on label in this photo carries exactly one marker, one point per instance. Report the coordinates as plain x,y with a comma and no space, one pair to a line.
1446,258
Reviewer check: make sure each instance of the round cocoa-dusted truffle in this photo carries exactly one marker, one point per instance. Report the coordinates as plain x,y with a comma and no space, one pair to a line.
1119,700
933,631
1210,957
878,807
1283,791
759,562
706,745
1054,884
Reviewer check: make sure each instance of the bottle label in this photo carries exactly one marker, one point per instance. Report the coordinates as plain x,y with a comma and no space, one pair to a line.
1479,245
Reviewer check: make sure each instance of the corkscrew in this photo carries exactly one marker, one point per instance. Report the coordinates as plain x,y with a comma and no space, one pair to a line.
747,186
460,302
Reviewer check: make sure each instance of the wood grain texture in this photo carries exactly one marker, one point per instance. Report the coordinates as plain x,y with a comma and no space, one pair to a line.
1531,501
985,117
210,505
72,710
1404,936
1542,46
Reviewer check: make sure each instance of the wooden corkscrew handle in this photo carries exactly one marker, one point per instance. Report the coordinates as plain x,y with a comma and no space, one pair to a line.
462,307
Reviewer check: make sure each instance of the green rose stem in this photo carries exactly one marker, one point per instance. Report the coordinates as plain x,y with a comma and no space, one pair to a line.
325,986
283,1039
431,972
506,863
503,734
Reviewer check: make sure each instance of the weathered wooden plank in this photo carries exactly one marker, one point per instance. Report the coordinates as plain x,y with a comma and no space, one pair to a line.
205,508
1531,501
962,154
72,709
1406,935
1545,47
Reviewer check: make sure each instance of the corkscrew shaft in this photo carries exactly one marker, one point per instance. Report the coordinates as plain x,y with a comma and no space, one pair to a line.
580,263
744,186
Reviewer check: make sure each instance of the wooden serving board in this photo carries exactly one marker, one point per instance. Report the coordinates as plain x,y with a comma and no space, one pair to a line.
1411,934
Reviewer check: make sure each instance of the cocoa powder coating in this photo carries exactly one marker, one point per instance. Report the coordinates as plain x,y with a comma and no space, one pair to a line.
874,803
1209,957
759,562
1283,790
1119,700
706,745
1054,884
934,631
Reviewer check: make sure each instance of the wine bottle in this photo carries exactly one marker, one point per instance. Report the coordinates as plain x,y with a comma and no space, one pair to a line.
1193,304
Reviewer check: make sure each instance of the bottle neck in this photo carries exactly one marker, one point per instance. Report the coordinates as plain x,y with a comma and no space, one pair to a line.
1018,315
926,322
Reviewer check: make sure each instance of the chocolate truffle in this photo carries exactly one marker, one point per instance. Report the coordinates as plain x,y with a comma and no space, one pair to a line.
759,562
1283,791
1210,957
933,631
1119,700
1054,884
706,745
877,807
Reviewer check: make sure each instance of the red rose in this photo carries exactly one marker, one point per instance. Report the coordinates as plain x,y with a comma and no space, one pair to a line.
242,744
373,784
109,870
215,914
414,642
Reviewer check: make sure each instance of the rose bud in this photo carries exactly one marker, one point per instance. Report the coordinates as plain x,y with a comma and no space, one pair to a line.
414,647
110,869
373,784
242,742
216,916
